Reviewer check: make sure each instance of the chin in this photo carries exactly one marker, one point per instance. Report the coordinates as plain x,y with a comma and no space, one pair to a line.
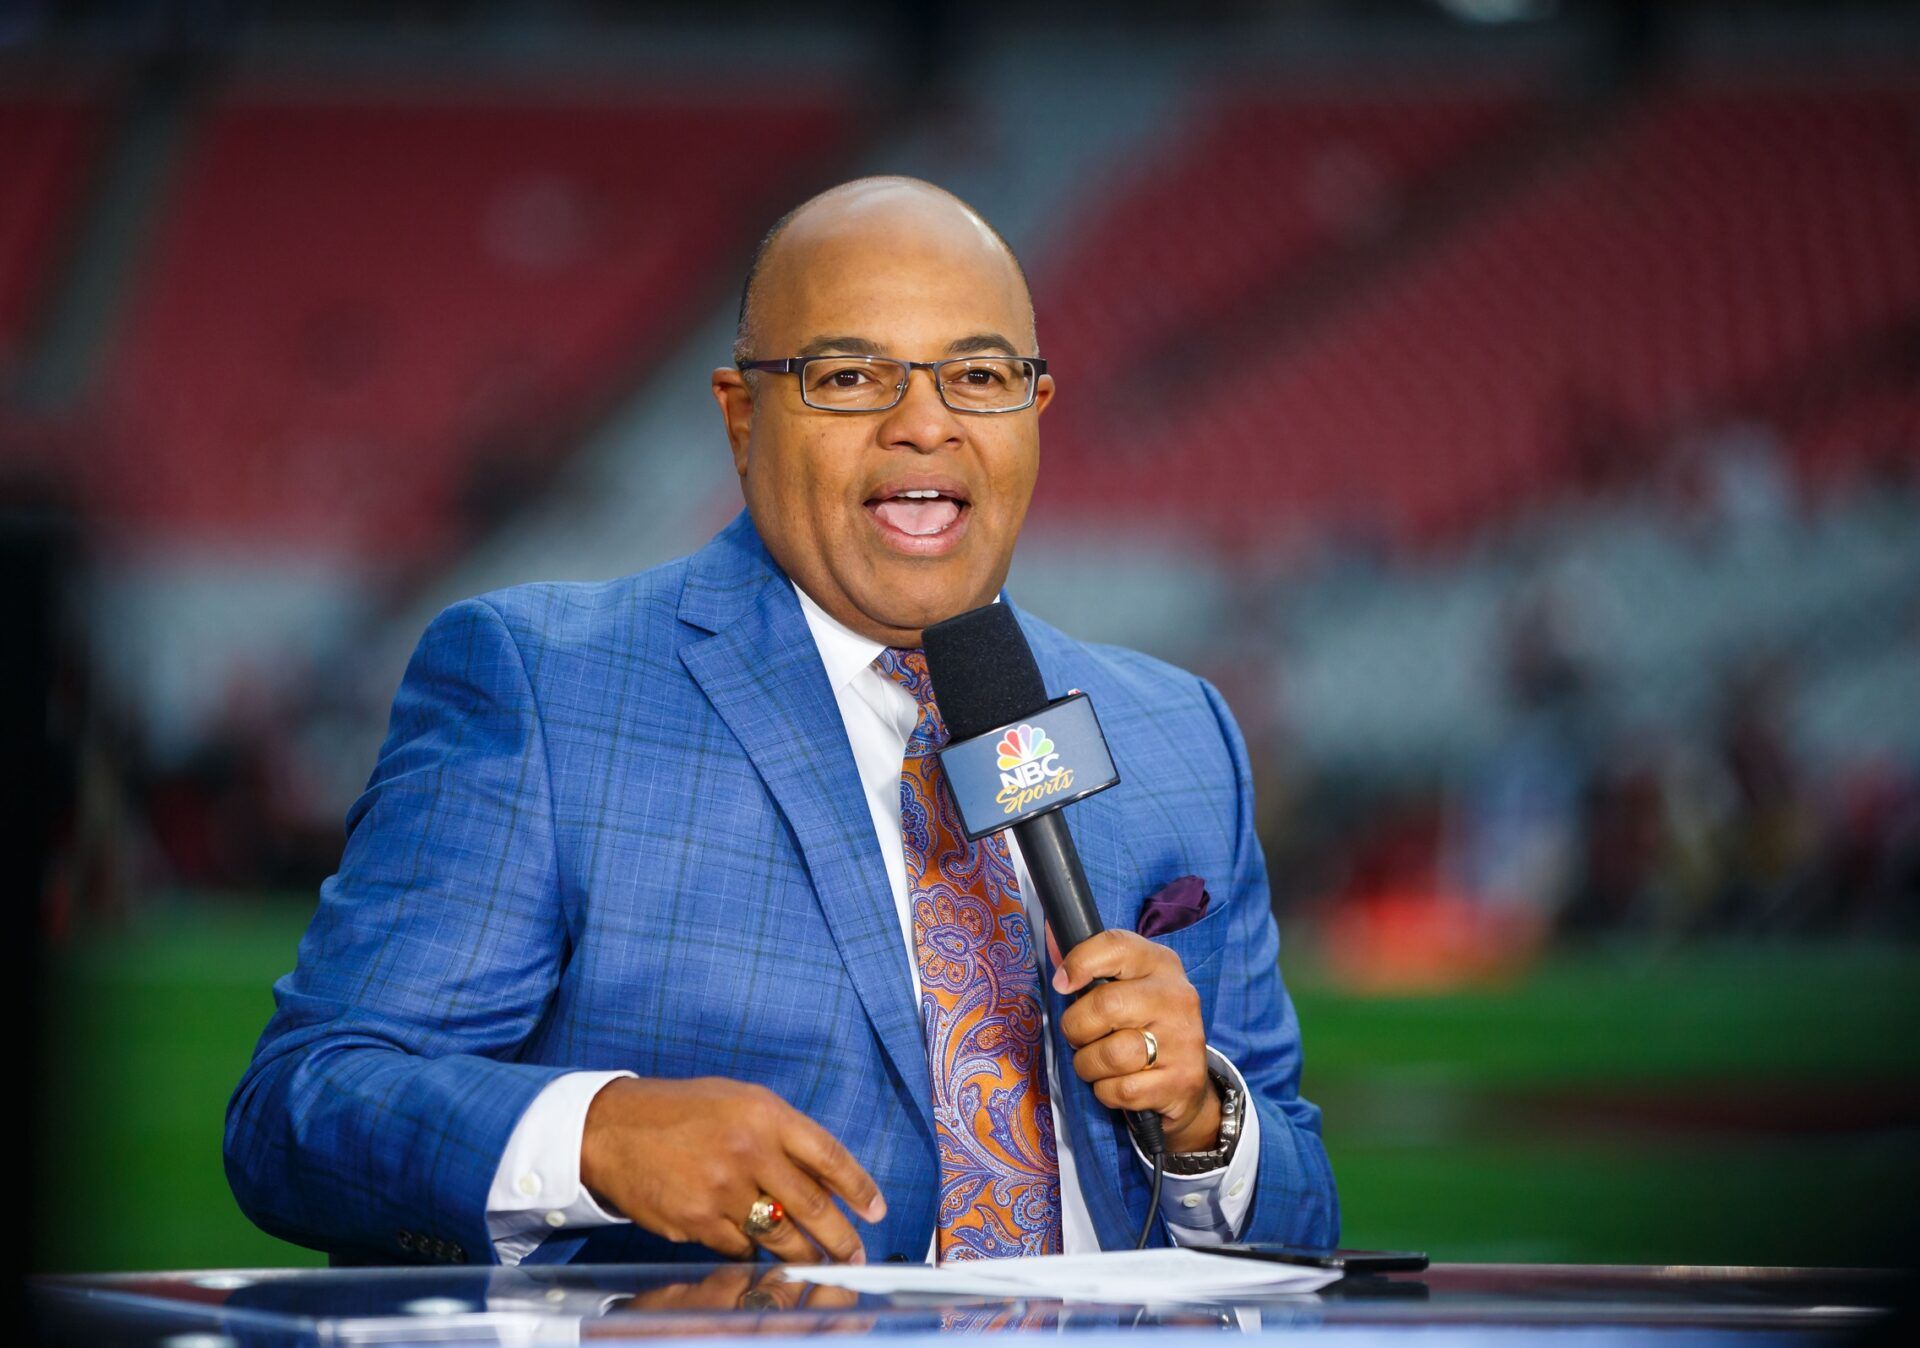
916,613
932,604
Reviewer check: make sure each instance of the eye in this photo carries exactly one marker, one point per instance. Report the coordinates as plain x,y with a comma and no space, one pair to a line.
840,376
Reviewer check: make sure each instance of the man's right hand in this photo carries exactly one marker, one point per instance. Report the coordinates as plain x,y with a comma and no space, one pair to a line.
687,1159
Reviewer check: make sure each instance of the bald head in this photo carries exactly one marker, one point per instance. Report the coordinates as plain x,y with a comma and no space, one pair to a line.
885,215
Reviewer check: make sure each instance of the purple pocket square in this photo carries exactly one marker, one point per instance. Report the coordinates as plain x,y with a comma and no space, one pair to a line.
1180,903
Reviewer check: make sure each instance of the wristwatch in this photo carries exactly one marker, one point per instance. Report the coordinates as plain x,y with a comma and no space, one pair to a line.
1233,1107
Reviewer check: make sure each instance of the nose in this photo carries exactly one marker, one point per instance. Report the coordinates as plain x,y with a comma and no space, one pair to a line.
920,421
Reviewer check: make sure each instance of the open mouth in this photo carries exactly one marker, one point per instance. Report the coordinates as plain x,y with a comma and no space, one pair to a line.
920,517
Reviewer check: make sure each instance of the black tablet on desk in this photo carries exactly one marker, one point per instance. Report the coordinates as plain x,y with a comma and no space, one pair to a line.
1350,1262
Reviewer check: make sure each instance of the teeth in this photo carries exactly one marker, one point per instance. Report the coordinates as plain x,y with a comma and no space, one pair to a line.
921,495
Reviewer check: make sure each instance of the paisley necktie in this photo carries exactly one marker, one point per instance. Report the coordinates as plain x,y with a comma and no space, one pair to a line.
980,1009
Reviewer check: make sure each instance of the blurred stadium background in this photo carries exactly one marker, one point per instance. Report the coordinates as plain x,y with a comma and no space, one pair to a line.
1541,482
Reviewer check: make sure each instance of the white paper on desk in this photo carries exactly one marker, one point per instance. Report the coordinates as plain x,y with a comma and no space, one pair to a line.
1131,1277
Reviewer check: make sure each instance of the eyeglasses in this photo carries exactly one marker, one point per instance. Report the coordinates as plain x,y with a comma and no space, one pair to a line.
874,383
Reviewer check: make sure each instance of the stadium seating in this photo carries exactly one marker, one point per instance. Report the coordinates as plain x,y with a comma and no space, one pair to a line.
49,139
362,311
1620,302
1241,197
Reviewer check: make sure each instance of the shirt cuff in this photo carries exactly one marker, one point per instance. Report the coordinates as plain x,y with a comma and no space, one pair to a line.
537,1190
1211,1208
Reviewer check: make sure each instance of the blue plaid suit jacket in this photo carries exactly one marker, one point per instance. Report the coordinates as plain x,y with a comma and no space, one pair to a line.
619,825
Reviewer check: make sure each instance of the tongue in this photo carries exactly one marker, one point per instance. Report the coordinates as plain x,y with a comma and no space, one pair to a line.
918,517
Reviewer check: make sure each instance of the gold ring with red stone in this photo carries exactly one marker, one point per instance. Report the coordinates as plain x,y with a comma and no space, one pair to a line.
765,1214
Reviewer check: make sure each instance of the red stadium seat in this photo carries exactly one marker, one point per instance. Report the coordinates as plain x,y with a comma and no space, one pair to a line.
358,307
1716,242
49,140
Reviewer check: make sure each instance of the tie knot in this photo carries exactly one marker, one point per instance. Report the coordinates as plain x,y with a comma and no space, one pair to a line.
908,668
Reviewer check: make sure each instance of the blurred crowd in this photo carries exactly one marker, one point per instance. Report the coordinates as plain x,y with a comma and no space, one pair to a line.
1577,822
1580,824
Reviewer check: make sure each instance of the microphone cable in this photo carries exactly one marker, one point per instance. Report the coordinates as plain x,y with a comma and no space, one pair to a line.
1153,1202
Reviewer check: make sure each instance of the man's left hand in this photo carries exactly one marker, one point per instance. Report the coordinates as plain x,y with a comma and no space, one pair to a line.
1149,991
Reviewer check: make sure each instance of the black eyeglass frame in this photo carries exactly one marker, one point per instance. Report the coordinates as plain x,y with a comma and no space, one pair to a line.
796,365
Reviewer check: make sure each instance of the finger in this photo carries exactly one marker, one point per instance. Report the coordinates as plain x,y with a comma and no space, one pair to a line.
1139,1092
1112,1006
819,1153
1114,1055
811,1208
724,1238
789,1244
1053,948
1110,954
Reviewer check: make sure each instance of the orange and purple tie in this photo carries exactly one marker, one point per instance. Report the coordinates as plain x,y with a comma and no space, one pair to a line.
980,1009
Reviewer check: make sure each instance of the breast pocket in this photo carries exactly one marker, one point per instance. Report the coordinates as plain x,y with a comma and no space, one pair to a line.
1199,946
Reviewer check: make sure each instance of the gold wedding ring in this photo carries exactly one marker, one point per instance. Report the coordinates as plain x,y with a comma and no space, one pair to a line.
1153,1047
765,1214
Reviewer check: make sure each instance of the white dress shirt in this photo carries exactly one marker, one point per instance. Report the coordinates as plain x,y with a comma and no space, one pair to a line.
537,1189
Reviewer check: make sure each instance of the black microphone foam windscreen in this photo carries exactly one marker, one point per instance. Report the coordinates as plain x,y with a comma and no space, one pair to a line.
983,671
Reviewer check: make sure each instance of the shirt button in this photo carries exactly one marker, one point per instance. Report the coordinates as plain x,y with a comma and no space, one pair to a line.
1233,1190
556,1219
1191,1201
529,1184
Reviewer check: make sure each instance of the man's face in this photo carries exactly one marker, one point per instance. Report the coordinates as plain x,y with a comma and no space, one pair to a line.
913,277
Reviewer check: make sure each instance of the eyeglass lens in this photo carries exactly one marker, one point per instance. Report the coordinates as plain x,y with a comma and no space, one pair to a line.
861,383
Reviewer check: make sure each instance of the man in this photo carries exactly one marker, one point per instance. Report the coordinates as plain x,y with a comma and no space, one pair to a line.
647,944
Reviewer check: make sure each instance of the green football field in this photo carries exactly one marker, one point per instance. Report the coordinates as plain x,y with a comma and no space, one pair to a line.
1729,1106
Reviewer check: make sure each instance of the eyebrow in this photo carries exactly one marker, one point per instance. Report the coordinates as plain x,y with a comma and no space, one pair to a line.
980,341
861,346
856,346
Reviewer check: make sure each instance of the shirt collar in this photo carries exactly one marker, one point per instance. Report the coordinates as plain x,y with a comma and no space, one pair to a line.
842,650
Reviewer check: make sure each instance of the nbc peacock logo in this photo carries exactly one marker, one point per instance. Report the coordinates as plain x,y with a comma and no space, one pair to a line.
1030,768
1023,744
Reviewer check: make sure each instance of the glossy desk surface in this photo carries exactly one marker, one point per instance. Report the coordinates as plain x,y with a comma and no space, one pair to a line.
1447,1304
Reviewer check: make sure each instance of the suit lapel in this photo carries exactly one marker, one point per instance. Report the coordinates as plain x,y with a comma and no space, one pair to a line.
761,671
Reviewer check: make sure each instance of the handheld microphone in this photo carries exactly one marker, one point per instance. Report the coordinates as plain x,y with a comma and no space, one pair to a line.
1009,768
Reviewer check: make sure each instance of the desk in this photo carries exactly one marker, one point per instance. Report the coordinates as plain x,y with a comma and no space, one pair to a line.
1449,1304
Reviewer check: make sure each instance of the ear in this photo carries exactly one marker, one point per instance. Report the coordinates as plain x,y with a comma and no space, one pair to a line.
735,396
1042,393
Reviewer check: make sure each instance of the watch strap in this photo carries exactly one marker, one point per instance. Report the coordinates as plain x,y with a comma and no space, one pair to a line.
1232,1112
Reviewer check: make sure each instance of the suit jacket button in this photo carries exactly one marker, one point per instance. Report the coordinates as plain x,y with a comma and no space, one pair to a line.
405,1241
456,1254
896,1258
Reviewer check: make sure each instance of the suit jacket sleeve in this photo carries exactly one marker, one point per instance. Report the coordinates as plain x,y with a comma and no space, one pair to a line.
384,1089
1255,1026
